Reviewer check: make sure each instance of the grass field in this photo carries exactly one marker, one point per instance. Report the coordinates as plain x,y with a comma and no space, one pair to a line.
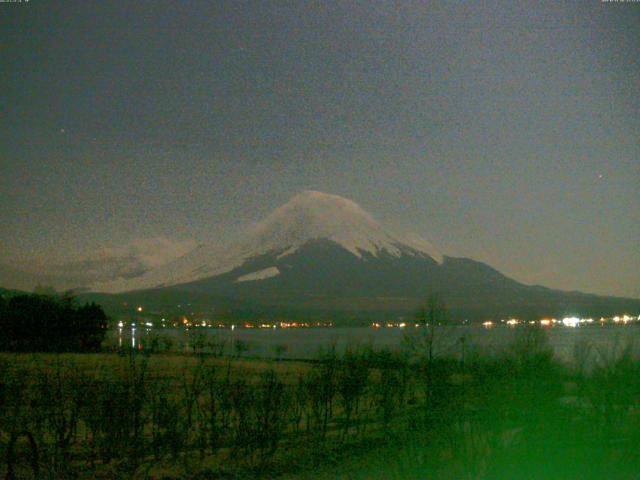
358,415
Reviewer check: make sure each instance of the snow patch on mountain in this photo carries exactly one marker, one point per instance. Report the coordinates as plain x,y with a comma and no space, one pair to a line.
259,275
420,245
288,251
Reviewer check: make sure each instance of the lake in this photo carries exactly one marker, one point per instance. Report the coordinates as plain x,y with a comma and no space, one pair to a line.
593,341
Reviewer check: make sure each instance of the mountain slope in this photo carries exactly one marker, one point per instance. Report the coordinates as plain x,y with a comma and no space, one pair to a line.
322,277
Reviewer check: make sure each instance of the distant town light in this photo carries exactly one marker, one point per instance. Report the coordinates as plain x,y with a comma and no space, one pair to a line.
570,321
487,324
139,309
545,322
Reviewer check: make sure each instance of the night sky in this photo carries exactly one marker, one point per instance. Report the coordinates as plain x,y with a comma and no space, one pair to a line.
501,131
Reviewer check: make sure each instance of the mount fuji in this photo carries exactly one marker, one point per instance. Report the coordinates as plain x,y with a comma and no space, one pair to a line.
309,217
322,255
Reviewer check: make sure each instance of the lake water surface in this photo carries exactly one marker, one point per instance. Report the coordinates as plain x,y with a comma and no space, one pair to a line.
595,341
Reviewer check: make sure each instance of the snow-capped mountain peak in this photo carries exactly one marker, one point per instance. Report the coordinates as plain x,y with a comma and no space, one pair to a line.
308,216
312,215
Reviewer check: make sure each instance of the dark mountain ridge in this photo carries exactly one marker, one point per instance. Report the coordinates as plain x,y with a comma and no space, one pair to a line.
323,280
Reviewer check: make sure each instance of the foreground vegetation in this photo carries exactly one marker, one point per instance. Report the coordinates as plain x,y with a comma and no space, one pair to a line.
358,414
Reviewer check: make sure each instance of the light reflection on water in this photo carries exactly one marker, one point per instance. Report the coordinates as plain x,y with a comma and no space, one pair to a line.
567,343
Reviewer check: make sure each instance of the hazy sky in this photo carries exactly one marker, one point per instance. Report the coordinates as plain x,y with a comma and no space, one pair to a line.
508,132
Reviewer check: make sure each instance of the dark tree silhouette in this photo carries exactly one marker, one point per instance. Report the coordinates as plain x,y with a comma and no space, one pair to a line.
430,316
50,324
